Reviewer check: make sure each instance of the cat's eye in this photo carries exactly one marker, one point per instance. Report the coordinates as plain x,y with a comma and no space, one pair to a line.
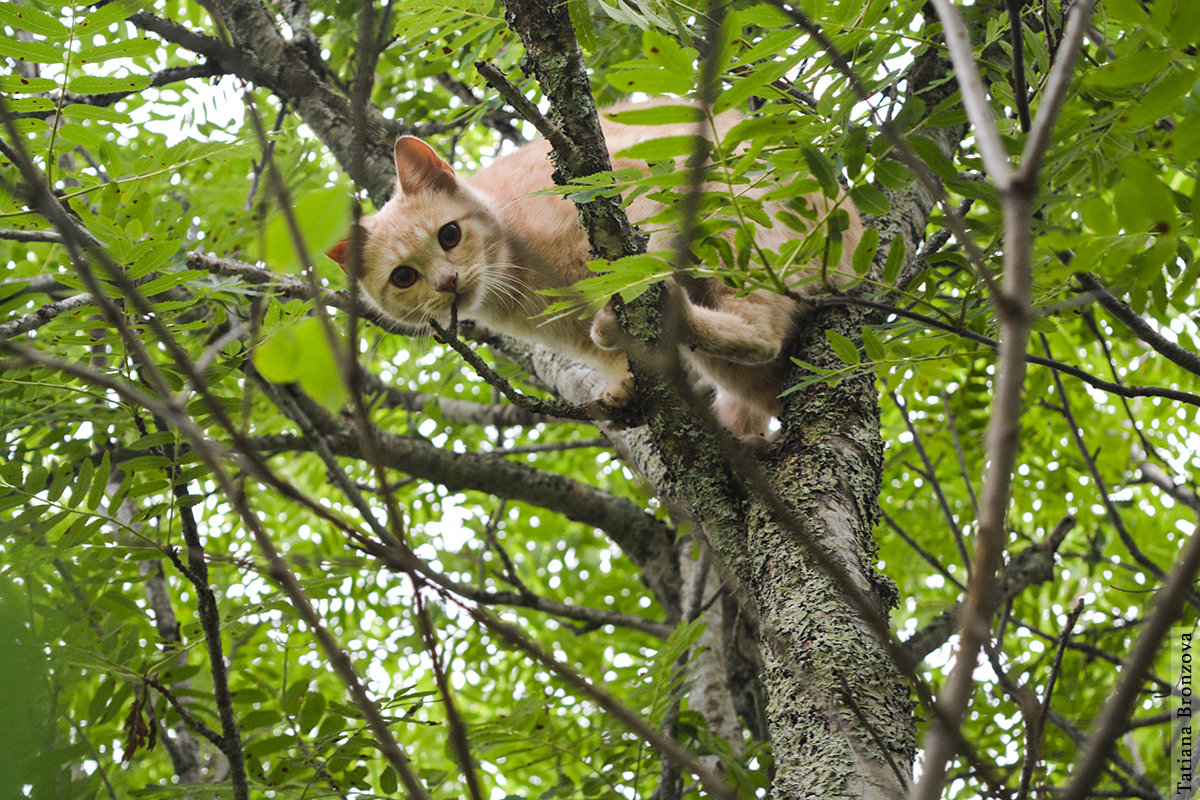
449,235
403,277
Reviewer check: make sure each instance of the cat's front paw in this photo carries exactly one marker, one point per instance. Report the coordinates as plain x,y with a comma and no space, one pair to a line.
618,393
606,331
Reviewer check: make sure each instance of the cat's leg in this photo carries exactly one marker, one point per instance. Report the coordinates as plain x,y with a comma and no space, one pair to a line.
745,330
618,391
606,331
746,421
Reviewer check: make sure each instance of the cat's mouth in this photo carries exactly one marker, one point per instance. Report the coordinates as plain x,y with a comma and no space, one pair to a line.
462,301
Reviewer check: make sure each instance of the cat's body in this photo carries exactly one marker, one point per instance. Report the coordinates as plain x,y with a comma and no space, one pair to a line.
490,244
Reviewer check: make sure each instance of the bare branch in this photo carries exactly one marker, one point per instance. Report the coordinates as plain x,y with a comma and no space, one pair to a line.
457,733
36,319
1030,567
931,476
498,81
1110,721
642,538
974,95
1055,91
1020,85
1132,320
50,237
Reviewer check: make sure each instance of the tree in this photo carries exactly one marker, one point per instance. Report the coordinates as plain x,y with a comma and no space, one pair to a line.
255,540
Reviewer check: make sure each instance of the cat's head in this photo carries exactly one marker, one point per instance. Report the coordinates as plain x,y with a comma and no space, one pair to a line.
434,244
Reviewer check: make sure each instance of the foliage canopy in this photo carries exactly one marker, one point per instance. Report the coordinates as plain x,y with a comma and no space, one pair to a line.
173,400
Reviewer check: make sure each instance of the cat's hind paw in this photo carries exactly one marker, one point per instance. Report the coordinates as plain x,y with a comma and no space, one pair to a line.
606,331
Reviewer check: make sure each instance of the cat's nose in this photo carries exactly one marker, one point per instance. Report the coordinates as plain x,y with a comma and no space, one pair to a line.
448,283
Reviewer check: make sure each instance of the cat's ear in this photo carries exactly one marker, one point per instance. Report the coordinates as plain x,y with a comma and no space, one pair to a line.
420,169
340,252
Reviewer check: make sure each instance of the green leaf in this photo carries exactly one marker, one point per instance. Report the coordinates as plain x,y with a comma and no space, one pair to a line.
34,52
651,80
856,151
17,84
932,155
102,113
1143,201
86,84
665,147
843,347
872,345
150,254
169,281
895,261
83,481
278,358
313,710
301,352
122,48
658,114
864,253
755,81
293,698
35,479
323,216
23,17
269,745
822,169
581,21
109,13
99,482
870,200
1133,70
1185,139
1182,32
667,67
90,136
664,51
893,175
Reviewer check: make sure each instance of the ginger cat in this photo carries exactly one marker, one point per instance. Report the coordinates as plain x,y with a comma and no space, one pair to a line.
490,244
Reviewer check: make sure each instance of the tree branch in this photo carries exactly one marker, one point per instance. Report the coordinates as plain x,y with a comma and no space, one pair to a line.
974,95
1030,567
644,540
1141,329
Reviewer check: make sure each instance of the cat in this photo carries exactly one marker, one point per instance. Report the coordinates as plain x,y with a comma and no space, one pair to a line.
492,243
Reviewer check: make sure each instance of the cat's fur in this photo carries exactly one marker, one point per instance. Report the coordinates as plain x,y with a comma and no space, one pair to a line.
511,243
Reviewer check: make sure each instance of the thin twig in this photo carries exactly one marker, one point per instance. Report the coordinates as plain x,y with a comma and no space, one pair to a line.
1020,87
50,237
931,477
1035,725
958,451
189,719
457,732
1111,720
1114,514
1054,92
591,412
1131,319
1058,366
974,95
925,555
526,109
